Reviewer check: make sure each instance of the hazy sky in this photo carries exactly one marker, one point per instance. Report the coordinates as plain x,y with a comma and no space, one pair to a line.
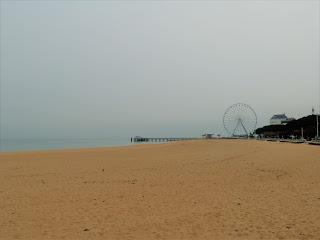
153,68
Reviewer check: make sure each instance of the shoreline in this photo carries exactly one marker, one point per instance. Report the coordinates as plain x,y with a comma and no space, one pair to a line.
67,149
70,149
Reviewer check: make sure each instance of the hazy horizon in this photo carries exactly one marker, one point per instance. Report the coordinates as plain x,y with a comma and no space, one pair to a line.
95,69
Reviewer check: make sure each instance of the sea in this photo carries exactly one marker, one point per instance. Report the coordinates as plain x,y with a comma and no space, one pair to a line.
14,145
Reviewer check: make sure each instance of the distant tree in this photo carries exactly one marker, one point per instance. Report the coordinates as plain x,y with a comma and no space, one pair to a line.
294,127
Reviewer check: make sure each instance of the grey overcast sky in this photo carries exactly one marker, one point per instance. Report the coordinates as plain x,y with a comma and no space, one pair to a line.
153,68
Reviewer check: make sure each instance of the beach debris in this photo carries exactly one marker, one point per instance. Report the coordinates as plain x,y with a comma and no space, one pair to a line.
102,169
86,229
133,181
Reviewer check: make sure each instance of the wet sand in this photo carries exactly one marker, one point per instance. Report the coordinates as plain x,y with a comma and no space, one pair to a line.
215,189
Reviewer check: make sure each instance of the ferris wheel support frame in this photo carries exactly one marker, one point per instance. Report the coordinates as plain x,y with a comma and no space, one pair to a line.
240,123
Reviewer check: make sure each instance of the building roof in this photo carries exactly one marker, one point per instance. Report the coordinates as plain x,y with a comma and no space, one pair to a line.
279,116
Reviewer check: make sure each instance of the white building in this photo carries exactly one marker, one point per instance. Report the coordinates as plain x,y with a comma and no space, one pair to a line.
208,135
278,119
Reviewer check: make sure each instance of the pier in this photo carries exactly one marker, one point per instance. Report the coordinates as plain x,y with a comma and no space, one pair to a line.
162,139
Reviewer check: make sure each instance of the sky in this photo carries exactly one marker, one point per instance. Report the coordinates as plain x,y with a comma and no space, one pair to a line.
95,69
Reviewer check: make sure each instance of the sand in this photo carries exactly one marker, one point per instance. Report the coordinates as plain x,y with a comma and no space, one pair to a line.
214,189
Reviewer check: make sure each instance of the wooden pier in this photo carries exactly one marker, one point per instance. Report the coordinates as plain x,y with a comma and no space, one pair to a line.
163,139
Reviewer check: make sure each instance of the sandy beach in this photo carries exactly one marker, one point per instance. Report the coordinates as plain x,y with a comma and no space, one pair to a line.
215,189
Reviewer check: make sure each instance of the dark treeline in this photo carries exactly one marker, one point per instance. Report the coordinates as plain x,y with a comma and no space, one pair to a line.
308,123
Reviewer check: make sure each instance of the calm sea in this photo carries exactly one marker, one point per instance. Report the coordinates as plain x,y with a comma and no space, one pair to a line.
8,145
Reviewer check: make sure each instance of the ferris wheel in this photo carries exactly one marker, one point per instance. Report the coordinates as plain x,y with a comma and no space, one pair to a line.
240,120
